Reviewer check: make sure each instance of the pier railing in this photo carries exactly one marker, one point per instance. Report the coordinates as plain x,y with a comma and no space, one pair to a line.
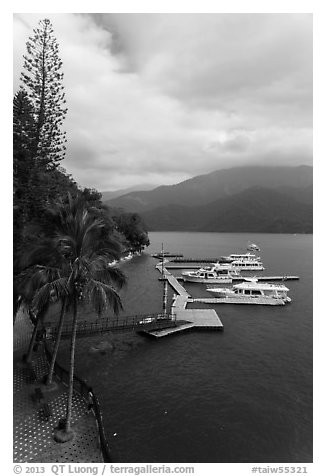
143,321
122,323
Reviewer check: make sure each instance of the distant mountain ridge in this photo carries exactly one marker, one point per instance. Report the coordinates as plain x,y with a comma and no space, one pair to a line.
117,193
204,189
243,199
254,210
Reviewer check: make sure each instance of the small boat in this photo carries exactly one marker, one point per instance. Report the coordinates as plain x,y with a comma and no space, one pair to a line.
252,292
214,274
252,247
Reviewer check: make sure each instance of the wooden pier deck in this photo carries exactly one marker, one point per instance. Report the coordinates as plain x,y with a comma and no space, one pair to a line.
201,318
185,319
190,319
172,330
176,285
172,281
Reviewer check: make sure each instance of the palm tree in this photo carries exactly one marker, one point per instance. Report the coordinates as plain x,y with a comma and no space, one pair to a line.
85,276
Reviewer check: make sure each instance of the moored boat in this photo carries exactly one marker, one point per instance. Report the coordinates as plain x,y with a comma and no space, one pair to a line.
238,256
252,292
214,274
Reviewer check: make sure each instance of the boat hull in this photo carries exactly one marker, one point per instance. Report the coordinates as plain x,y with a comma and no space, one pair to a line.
248,268
263,301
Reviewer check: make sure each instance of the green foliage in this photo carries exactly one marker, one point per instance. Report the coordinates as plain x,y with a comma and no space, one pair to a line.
133,228
23,164
74,270
71,260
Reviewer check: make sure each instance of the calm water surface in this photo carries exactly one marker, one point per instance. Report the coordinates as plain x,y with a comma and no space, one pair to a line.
242,395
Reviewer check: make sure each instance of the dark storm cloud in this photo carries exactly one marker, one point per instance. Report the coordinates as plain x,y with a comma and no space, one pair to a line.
161,97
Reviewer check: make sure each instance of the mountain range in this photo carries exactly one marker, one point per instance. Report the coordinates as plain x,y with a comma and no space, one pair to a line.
117,193
242,199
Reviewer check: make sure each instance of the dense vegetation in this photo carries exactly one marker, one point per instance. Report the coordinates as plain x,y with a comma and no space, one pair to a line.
39,110
64,237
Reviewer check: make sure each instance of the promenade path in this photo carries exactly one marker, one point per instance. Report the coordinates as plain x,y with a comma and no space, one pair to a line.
33,435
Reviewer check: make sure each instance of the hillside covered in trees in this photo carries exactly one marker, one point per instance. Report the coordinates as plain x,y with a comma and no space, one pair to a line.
65,239
39,146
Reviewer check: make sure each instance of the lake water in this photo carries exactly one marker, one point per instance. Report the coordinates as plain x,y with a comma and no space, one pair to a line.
242,395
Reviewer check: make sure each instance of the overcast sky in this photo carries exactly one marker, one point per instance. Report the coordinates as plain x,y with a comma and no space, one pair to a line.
159,98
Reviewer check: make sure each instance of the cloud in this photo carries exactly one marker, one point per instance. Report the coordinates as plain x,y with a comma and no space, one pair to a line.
162,97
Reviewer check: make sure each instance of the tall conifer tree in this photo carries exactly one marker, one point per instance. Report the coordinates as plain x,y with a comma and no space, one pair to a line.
42,78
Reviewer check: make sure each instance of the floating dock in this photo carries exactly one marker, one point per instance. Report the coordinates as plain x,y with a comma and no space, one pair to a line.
195,319
161,255
176,285
186,319
202,318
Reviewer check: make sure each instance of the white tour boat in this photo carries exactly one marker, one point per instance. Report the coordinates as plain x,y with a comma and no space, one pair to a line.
238,256
214,274
252,292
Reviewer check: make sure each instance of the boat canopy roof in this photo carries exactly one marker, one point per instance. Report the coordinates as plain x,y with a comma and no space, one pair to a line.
218,266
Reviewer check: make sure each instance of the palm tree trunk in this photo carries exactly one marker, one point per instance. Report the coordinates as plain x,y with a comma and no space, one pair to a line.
32,341
72,366
57,342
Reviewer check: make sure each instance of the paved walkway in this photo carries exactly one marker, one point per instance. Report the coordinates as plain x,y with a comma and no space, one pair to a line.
33,435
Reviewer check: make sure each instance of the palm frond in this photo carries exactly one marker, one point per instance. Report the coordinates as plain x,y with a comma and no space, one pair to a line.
50,292
29,280
102,296
110,275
